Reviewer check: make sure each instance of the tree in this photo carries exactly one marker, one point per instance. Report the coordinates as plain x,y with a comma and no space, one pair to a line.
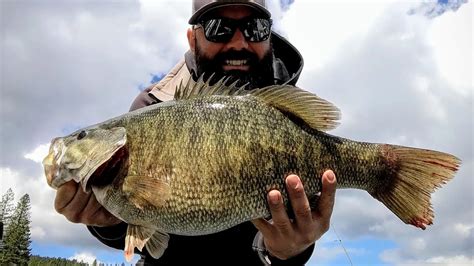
16,244
6,209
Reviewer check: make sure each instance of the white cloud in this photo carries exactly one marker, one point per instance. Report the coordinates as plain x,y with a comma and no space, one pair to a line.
456,260
395,258
8,178
84,257
319,28
451,39
38,154
463,229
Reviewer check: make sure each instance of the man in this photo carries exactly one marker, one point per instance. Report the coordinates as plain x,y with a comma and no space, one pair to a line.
232,39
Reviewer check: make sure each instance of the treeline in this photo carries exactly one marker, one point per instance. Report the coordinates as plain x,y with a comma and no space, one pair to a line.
46,261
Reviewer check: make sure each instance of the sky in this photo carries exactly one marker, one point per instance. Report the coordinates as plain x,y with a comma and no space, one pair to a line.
400,72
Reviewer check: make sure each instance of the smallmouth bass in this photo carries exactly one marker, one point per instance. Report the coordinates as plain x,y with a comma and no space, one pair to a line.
205,162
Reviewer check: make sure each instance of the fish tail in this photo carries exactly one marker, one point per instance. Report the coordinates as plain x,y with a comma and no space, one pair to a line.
416,173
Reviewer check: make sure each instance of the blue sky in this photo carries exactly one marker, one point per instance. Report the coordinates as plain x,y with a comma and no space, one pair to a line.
401,72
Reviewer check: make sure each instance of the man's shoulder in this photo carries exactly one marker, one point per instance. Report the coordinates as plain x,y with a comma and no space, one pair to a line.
143,99
164,89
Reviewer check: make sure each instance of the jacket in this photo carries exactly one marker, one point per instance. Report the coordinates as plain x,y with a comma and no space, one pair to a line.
233,246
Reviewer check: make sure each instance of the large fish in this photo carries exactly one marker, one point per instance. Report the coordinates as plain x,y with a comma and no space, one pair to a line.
205,161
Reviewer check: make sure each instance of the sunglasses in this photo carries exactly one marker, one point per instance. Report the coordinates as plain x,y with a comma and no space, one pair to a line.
221,30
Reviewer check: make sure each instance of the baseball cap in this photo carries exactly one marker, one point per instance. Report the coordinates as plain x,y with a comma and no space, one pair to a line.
201,7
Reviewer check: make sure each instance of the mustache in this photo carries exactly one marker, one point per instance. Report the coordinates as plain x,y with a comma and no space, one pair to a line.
252,58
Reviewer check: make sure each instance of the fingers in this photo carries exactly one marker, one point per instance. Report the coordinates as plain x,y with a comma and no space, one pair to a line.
299,202
64,195
280,219
71,201
102,217
327,198
263,226
81,207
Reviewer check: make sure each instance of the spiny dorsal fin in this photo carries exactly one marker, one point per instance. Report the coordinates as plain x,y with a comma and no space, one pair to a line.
316,112
202,88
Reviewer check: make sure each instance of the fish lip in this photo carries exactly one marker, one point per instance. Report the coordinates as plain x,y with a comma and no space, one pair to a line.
50,173
50,162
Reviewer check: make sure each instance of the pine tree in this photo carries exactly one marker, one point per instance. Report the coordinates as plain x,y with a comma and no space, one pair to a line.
6,209
16,249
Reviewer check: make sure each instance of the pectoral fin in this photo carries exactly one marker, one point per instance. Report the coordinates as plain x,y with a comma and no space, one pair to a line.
146,191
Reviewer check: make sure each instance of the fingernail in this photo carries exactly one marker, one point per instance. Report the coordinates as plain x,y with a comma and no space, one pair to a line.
274,197
293,182
330,176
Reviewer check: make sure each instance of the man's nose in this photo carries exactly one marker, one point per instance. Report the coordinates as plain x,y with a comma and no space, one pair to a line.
238,41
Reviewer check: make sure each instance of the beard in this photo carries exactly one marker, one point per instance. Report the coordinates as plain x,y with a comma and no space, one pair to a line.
259,74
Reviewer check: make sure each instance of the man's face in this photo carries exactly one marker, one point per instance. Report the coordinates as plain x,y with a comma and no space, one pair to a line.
239,59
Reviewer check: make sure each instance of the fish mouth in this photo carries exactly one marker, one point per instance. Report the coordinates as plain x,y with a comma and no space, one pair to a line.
50,162
103,174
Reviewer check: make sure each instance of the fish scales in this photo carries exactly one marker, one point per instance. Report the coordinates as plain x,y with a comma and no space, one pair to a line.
247,141
206,161
208,172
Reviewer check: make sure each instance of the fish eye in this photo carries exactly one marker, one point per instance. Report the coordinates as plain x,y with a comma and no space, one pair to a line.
81,135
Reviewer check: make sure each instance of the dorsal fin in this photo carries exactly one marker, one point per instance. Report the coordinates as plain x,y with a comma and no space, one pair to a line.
316,112
202,88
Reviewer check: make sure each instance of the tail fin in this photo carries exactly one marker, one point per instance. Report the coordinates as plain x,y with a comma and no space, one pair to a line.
419,173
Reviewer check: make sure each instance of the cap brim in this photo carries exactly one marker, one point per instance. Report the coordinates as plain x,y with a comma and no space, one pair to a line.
202,11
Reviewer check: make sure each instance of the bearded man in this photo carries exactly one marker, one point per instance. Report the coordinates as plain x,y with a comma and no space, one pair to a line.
230,39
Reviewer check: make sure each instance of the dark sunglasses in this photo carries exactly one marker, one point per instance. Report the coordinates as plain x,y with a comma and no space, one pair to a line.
222,30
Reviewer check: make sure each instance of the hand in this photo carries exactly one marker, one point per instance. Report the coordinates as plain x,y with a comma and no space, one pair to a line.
81,207
284,238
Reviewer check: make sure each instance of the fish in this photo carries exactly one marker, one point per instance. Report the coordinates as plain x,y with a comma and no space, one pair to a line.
205,161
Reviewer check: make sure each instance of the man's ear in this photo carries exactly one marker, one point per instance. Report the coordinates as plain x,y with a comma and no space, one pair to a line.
191,40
